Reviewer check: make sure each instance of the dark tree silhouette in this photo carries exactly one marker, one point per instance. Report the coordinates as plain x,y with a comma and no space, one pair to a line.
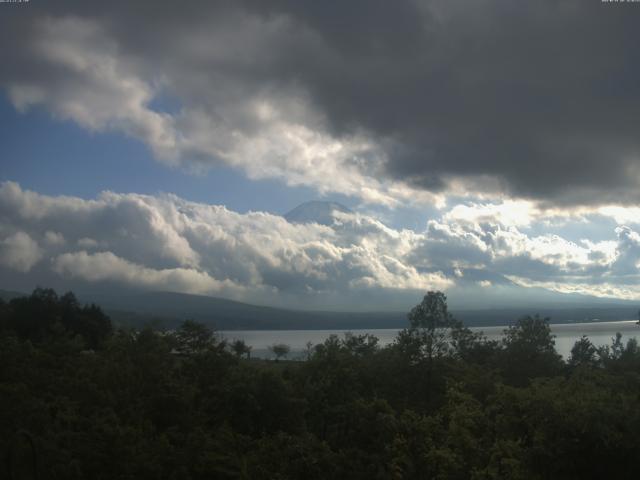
240,348
583,353
280,350
193,337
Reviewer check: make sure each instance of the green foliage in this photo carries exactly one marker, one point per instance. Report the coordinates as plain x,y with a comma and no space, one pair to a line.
431,323
529,351
44,316
583,353
182,405
193,337
240,348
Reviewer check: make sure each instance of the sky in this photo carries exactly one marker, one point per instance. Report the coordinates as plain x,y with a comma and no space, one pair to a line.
489,149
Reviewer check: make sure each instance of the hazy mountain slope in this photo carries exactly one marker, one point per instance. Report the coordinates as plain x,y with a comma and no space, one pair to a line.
7,295
167,309
227,314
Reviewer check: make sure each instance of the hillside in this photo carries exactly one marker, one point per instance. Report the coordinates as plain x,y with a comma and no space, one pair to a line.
168,309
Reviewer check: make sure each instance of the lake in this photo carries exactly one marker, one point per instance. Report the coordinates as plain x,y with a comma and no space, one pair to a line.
600,333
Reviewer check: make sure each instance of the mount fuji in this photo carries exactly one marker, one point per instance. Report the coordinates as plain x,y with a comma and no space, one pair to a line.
320,212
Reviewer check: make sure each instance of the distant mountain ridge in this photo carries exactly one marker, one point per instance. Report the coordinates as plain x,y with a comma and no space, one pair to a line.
168,309
226,314
7,295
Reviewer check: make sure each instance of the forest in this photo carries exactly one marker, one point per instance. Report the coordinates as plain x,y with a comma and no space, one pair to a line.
81,399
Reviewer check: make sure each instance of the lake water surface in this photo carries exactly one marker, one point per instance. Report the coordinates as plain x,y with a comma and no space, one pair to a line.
600,333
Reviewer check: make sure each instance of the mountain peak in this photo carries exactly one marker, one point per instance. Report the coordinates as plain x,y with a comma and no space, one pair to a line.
315,212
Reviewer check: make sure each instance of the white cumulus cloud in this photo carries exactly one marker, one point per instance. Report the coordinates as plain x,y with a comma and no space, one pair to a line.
19,252
164,242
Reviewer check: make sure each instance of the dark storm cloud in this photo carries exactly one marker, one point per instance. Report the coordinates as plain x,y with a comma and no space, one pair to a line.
543,95
540,98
